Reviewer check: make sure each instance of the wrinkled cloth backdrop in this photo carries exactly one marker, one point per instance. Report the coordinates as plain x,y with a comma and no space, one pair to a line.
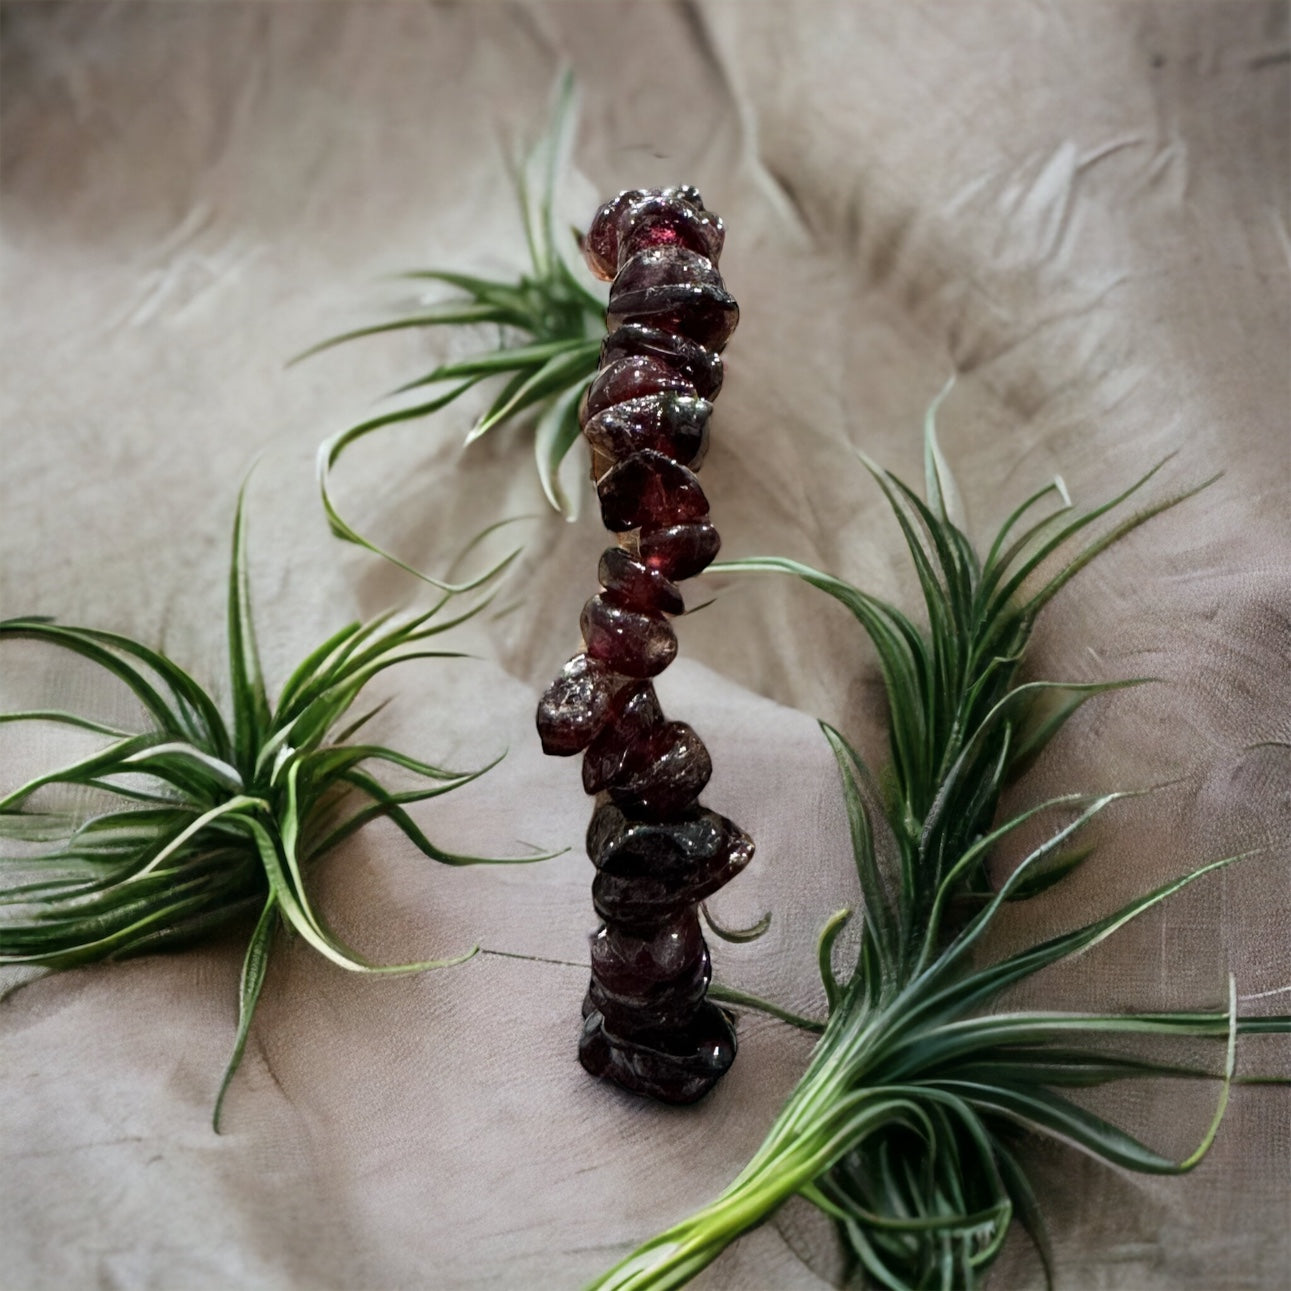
1081,209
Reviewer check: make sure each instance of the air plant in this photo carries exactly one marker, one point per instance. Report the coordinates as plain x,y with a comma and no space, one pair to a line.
547,328
211,820
903,1127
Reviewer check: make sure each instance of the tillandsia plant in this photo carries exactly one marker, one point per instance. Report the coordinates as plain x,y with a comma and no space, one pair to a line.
648,1025
546,327
904,1126
211,820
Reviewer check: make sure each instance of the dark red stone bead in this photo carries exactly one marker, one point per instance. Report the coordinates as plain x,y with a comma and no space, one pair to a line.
646,901
631,378
674,290
601,245
669,219
678,1066
636,643
647,869
575,706
637,218
664,266
635,963
649,490
660,1006
671,772
701,367
680,551
674,425
625,737
630,582
631,845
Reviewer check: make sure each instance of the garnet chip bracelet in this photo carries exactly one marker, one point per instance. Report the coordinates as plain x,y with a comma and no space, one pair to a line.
648,1025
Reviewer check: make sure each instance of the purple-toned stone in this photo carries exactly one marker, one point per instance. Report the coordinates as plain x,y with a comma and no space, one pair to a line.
632,378
649,490
663,266
670,218
671,424
663,1006
644,901
575,706
679,551
678,1066
674,290
630,845
601,245
636,643
700,366
671,772
640,218
625,737
635,963
633,583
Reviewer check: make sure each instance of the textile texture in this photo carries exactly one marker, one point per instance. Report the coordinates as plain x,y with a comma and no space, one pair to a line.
1079,209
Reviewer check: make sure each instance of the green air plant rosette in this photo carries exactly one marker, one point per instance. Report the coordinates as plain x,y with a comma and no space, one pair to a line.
903,1128
547,329
211,820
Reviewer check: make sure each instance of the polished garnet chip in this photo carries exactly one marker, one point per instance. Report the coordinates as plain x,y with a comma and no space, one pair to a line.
700,366
654,866
625,738
664,266
680,551
671,424
634,963
706,314
630,378
630,582
576,705
675,1066
637,643
644,900
649,490
667,219
601,245
670,775
638,218
663,1006
674,290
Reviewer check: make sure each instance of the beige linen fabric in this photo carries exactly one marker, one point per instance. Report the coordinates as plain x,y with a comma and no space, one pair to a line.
1080,209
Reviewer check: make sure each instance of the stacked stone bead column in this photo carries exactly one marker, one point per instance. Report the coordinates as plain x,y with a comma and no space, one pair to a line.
648,1025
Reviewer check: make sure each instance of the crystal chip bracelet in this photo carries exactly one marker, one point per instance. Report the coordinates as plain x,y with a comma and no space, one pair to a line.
648,1025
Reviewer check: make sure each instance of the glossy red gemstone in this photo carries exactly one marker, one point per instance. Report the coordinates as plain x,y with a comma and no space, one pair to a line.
575,706
644,901
664,266
674,425
667,219
701,367
601,245
679,1065
674,290
639,218
630,378
656,866
624,739
668,777
636,643
649,490
633,963
662,1007
679,551
632,583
